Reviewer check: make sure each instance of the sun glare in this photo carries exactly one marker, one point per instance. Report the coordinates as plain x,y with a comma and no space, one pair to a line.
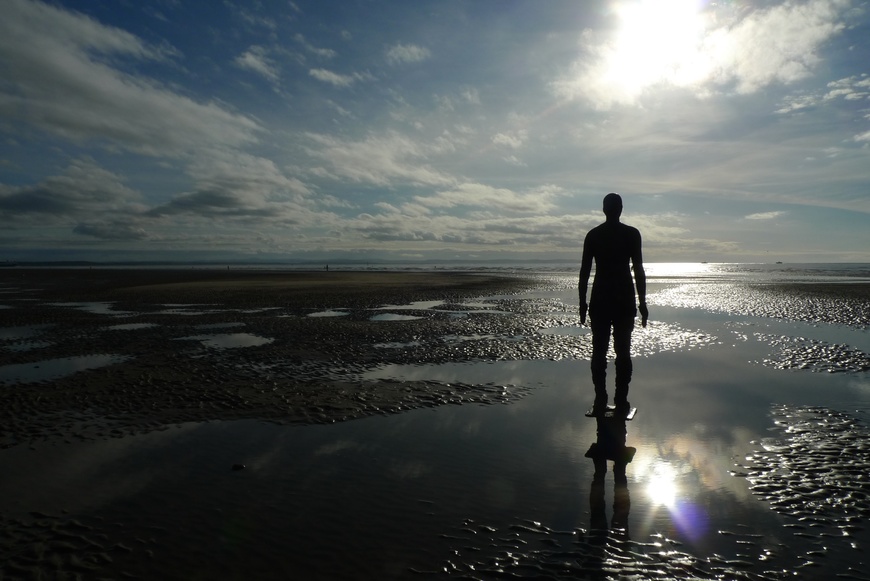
657,40
661,486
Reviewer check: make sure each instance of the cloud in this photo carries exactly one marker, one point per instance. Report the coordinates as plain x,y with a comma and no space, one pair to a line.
700,51
238,185
381,160
407,53
780,44
764,216
793,103
511,139
115,231
490,229
326,53
83,190
336,79
255,59
60,76
852,88
536,200
471,95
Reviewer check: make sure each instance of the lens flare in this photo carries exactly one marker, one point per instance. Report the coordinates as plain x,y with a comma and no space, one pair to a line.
662,486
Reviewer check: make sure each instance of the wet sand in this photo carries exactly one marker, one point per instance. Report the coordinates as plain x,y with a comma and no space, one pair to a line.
206,432
153,323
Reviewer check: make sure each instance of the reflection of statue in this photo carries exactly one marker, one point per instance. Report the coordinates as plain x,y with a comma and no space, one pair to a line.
610,445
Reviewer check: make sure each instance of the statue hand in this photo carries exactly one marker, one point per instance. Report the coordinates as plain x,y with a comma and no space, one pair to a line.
644,313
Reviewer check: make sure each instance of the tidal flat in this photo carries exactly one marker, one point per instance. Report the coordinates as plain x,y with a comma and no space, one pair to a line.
181,424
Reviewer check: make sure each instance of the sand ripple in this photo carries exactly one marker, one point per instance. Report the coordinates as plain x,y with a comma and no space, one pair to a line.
813,355
42,546
817,469
530,550
836,304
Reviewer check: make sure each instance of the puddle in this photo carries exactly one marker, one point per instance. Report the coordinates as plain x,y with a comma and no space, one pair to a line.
228,340
414,306
51,369
131,326
393,317
329,314
443,307
98,308
183,309
463,338
479,308
220,325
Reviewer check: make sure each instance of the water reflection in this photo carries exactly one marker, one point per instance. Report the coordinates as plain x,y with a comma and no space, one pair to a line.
609,446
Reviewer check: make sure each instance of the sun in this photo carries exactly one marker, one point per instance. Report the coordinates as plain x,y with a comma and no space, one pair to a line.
656,41
662,486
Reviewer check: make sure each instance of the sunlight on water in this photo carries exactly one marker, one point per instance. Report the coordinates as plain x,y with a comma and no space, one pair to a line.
679,269
329,313
393,317
661,485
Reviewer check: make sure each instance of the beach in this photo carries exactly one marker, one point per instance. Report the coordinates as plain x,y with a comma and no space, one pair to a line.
245,423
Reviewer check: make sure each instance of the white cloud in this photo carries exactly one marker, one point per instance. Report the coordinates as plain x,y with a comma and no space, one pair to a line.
511,139
700,51
336,79
407,53
326,53
764,216
59,77
797,103
850,88
471,95
537,200
780,44
255,59
378,159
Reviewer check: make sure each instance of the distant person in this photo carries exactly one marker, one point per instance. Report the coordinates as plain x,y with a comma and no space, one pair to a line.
612,308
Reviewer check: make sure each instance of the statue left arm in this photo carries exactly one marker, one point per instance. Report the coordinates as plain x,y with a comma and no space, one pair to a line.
640,279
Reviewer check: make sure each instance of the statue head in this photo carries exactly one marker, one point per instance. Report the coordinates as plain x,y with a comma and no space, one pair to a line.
612,206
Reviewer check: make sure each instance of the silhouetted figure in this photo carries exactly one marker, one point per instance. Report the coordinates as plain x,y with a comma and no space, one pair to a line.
616,248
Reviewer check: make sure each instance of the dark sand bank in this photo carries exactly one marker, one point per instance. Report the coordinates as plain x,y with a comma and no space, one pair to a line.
155,325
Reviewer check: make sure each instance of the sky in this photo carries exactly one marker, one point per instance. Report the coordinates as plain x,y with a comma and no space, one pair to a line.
735,131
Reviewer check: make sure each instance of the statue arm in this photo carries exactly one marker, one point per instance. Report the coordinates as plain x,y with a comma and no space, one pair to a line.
640,278
583,283
585,269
